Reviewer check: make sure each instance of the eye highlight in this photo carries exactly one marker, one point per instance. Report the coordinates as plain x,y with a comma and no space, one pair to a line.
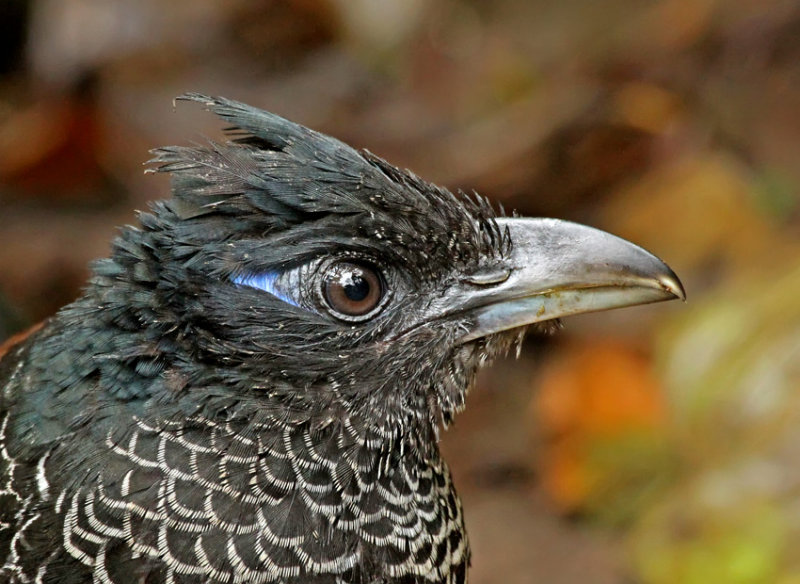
352,291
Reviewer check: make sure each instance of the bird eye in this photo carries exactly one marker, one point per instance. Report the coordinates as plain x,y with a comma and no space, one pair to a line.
352,290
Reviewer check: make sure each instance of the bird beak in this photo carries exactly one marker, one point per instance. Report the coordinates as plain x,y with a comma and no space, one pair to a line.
557,268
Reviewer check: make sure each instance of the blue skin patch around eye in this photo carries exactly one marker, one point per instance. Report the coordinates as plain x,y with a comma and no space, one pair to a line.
265,282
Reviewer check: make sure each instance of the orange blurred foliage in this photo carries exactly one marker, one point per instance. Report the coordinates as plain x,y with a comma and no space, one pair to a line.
594,393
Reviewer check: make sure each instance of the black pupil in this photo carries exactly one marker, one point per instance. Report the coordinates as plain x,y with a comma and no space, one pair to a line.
356,287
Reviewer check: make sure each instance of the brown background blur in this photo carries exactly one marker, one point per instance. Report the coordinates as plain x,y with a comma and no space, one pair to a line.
658,444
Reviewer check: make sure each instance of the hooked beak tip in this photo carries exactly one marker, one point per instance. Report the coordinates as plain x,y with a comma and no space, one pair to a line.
672,284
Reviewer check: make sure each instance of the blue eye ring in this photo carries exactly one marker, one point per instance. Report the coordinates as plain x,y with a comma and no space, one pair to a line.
348,288
265,281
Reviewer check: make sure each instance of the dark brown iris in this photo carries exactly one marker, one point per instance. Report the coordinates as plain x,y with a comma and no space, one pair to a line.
352,289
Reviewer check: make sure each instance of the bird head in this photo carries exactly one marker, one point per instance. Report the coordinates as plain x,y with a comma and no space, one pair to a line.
320,279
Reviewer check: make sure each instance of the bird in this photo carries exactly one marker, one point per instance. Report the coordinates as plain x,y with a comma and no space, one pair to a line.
252,385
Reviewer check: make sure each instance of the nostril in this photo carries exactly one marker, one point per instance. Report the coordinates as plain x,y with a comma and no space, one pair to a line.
487,277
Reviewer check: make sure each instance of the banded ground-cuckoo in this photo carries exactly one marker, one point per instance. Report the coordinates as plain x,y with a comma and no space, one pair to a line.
251,386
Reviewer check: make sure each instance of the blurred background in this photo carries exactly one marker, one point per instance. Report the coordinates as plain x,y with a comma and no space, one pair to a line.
658,444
